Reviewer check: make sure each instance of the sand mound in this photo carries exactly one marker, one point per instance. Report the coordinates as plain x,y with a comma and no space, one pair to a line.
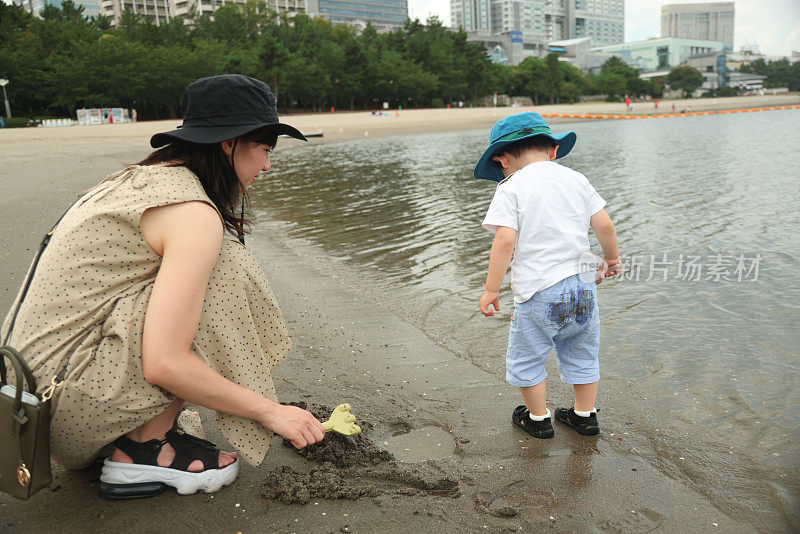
352,467
341,451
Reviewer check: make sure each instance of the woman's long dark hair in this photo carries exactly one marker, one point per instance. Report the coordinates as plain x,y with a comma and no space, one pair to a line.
216,172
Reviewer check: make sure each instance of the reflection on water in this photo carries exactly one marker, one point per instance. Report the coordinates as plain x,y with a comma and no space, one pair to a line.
720,354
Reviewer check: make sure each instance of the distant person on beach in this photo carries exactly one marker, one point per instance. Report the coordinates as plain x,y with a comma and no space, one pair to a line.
541,213
628,103
146,298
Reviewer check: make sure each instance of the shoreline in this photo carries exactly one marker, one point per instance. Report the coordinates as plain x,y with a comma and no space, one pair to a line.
349,345
352,125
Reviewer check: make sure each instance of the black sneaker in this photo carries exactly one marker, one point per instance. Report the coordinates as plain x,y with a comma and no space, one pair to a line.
582,425
538,429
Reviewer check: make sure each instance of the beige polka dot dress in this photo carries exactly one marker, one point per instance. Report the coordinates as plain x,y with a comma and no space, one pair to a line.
85,309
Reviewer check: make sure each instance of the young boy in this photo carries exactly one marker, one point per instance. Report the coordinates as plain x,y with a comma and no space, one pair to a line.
541,213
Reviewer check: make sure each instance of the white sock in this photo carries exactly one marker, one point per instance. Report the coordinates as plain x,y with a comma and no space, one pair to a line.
586,414
539,417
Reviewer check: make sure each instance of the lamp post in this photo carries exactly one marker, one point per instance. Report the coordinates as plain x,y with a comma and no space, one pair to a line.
3,83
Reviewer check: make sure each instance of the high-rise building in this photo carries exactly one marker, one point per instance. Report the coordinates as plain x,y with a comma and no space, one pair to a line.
603,21
709,22
158,11
472,15
91,8
383,14
524,16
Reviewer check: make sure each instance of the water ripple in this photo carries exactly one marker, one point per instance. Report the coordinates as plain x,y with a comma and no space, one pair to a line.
408,210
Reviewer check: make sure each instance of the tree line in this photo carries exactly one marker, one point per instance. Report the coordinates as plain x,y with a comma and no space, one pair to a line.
63,60
779,73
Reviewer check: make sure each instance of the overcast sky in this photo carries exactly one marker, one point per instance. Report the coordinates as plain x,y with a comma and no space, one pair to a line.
772,24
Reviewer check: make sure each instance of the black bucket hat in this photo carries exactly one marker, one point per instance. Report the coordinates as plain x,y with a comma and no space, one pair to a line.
218,108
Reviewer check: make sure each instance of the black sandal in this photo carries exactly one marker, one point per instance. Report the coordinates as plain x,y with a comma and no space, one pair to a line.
538,429
586,426
145,478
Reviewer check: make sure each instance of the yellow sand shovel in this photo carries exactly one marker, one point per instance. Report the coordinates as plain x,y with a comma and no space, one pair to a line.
342,421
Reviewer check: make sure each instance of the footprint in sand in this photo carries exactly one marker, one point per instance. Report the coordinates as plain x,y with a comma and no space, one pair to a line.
634,521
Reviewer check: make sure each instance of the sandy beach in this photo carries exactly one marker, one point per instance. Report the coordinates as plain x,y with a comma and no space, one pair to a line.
349,346
348,125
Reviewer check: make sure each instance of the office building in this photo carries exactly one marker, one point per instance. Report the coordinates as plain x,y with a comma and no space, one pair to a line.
155,11
91,8
746,82
517,16
713,66
603,21
707,22
509,48
158,11
472,15
577,52
540,21
182,8
383,14
660,54
512,30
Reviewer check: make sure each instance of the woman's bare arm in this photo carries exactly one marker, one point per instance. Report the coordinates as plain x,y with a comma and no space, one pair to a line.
188,236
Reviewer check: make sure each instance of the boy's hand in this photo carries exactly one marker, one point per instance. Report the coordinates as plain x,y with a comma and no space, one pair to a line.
608,267
490,298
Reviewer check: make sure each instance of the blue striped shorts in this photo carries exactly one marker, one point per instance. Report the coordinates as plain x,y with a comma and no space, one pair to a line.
563,317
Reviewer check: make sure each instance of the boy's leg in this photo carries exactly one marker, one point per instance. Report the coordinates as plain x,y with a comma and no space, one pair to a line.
577,348
534,417
528,347
535,398
585,396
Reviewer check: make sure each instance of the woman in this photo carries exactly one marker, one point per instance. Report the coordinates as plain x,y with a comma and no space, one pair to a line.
142,303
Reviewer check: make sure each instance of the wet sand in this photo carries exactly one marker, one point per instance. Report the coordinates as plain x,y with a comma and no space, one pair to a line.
350,347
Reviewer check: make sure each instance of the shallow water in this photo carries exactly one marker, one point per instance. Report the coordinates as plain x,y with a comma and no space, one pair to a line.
712,361
426,443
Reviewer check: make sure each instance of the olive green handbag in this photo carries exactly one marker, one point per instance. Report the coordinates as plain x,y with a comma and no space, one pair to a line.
24,415
24,433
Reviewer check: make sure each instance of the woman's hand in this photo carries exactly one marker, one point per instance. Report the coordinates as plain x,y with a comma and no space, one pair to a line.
295,424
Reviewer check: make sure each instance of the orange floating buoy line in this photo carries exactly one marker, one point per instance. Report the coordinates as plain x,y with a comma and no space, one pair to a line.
663,115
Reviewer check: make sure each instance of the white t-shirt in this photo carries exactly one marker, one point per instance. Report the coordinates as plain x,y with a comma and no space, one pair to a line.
549,206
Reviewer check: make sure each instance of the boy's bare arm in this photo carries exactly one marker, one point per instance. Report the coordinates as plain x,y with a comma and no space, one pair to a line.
505,239
607,236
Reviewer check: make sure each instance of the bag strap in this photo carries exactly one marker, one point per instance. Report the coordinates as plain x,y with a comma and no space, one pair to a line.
18,417
25,287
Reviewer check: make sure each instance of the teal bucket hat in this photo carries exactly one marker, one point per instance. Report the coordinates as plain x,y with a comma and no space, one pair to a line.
513,128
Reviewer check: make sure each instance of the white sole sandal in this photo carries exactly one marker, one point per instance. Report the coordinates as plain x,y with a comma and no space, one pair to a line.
145,478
